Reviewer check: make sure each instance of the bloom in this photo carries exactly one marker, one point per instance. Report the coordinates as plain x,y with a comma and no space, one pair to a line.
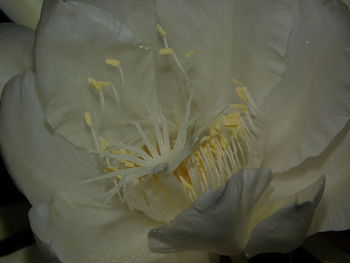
130,125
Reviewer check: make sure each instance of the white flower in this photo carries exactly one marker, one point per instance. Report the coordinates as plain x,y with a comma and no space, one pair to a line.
132,124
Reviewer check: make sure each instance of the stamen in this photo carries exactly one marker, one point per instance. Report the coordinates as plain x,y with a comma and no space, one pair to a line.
189,53
98,85
166,51
161,30
88,121
116,63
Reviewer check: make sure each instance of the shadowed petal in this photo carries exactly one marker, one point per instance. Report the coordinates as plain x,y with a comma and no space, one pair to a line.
287,228
16,51
218,221
40,162
310,105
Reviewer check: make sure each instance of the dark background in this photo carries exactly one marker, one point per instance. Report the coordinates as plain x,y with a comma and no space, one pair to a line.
10,195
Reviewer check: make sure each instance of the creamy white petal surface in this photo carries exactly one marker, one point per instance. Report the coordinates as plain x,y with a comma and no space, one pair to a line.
310,105
16,51
228,43
333,212
23,12
40,162
77,229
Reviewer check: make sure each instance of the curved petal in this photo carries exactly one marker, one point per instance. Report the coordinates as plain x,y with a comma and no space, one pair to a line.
23,12
310,105
218,221
40,162
79,38
333,212
29,254
16,51
287,228
78,229
245,39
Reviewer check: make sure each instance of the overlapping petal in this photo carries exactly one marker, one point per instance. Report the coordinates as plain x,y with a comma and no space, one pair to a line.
16,51
77,229
240,216
310,105
334,210
79,38
23,12
40,162
218,221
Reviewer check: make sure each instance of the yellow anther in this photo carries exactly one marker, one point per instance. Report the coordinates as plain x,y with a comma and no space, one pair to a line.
213,132
88,119
189,53
113,62
237,82
98,85
110,168
232,120
242,93
166,51
104,144
241,107
128,164
224,142
161,30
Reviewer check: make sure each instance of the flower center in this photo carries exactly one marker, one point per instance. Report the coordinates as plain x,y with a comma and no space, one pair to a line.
166,171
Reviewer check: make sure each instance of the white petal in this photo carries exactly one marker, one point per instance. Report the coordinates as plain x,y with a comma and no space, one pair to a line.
218,221
287,228
245,39
40,162
77,229
16,51
29,254
79,37
333,212
310,105
23,12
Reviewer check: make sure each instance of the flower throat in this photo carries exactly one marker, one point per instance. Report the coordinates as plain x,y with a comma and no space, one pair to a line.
166,172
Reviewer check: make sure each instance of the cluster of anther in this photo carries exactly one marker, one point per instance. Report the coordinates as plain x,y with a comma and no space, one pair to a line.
200,160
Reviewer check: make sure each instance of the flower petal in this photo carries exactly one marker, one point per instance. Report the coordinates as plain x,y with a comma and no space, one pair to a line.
78,229
23,12
310,105
333,212
29,254
245,39
16,51
40,162
287,228
218,221
79,38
